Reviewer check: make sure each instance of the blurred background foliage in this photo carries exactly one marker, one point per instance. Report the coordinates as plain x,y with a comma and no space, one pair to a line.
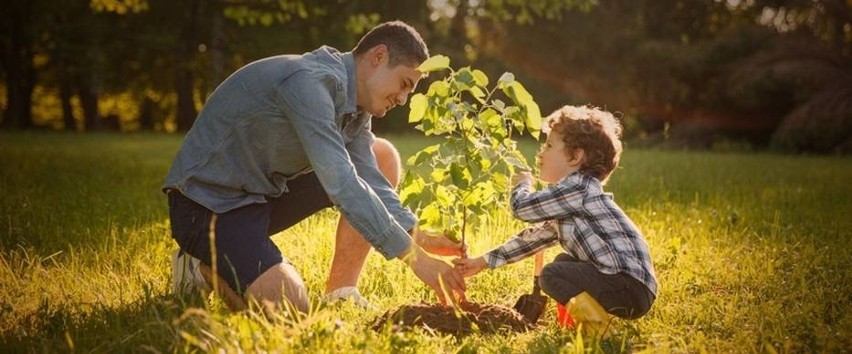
718,74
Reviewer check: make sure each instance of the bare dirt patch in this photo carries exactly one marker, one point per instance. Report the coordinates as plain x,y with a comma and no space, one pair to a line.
470,317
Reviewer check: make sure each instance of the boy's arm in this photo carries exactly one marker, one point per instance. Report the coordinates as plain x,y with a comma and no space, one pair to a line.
469,267
555,202
523,245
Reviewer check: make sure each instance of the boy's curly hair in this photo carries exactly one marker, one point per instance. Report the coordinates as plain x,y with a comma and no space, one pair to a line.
595,131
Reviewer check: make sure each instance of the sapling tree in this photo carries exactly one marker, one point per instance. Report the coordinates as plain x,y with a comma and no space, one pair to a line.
452,184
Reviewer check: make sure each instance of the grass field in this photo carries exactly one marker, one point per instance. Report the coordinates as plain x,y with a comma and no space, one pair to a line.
752,252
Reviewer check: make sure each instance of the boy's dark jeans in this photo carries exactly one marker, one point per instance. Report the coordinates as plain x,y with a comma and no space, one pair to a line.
620,294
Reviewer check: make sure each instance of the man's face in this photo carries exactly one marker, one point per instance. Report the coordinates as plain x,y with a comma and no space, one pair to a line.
386,87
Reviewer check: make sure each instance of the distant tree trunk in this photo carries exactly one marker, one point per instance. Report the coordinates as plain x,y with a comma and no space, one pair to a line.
65,95
18,62
146,115
89,102
217,44
19,92
841,18
185,80
59,32
185,106
65,90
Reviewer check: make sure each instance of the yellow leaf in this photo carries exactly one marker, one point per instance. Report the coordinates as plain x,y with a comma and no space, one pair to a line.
480,77
417,108
434,63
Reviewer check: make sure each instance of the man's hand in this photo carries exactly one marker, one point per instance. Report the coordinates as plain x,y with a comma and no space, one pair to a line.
439,244
468,267
438,275
522,176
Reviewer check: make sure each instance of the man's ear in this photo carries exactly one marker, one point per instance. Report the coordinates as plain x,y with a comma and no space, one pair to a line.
378,54
577,157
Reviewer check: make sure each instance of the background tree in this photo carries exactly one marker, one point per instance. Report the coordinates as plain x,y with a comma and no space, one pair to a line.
18,30
694,74
767,73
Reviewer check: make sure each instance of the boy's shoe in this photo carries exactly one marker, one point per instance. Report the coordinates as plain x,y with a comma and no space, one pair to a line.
186,275
347,293
563,318
588,313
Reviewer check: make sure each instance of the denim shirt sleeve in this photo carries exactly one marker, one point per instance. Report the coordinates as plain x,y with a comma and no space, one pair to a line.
308,102
361,152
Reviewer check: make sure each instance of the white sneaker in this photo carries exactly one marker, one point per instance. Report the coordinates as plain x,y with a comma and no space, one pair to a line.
347,293
186,275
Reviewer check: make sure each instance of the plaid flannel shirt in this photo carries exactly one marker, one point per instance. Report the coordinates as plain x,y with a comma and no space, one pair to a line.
585,221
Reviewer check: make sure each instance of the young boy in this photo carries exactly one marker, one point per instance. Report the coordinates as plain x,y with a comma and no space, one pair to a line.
606,267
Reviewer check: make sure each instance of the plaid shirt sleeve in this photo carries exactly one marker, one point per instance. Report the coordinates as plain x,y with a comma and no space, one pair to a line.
524,244
555,202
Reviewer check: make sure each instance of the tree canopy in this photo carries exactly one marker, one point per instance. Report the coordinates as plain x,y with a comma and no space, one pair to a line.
768,73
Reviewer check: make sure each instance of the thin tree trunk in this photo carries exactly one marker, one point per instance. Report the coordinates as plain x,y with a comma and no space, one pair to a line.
20,74
146,115
89,102
840,13
65,95
185,106
217,42
65,90
185,80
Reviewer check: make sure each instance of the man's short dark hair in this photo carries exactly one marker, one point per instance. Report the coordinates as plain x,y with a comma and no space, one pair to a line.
405,46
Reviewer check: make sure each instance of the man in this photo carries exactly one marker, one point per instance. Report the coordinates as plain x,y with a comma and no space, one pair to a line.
281,139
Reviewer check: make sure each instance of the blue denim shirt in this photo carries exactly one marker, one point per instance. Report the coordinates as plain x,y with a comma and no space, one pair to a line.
277,118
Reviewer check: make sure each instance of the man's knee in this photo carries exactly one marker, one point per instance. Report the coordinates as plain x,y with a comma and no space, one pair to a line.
280,283
388,160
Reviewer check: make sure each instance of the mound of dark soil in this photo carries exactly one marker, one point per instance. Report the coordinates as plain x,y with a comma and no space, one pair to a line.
468,318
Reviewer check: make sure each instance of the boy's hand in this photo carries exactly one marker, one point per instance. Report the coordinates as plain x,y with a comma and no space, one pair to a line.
520,177
439,244
469,267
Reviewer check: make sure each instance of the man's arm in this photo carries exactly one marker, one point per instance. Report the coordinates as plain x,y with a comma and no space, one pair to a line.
307,102
366,165
361,152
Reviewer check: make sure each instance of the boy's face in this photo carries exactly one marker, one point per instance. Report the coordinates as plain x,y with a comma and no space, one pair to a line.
554,162
385,87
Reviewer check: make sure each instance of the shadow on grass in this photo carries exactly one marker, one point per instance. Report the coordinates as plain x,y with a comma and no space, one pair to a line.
80,191
145,325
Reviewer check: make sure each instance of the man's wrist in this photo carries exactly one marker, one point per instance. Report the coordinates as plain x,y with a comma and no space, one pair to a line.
409,256
415,235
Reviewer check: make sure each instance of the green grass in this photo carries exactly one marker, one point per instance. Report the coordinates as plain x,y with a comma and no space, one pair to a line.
751,251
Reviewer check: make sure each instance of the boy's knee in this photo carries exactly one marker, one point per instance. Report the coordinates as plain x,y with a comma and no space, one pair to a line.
552,284
388,160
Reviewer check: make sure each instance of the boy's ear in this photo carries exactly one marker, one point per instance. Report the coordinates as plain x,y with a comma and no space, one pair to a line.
577,156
